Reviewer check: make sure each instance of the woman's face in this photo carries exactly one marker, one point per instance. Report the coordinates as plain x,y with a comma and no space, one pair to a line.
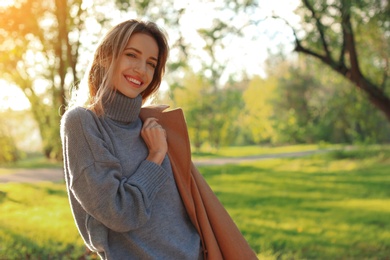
136,65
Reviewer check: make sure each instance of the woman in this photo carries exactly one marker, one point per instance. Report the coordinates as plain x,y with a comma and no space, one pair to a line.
121,187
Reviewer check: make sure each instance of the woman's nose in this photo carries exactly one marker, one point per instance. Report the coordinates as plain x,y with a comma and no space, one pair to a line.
140,67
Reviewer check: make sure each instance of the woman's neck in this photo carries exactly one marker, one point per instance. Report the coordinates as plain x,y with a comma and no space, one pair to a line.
121,108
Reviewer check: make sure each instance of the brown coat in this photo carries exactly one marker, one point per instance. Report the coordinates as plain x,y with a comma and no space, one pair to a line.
221,239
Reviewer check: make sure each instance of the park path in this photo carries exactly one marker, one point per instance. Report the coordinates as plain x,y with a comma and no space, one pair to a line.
57,174
33,175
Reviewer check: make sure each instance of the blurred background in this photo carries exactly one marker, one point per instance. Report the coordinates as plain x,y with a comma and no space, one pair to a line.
253,77
244,71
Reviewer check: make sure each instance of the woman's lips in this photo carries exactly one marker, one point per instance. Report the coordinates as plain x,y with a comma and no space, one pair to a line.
133,80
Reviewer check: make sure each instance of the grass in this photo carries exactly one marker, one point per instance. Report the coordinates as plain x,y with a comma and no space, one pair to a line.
36,223
326,206
37,161
30,161
333,206
253,150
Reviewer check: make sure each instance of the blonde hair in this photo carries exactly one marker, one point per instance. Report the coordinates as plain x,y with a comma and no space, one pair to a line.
100,72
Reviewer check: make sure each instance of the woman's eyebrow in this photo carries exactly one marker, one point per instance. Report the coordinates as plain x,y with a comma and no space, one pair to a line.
139,52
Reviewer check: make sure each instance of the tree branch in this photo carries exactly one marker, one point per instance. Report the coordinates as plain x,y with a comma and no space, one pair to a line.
300,48
349,38
320,28
73,56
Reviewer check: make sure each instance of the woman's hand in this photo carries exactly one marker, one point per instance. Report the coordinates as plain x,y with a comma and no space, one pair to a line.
156,140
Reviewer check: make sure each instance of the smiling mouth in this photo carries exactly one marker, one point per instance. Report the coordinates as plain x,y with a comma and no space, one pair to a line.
134,81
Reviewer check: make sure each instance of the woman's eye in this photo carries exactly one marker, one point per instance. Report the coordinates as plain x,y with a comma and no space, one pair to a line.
130,55
153,65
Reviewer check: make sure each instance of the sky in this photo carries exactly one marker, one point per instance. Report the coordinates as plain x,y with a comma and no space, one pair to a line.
248,53
11,97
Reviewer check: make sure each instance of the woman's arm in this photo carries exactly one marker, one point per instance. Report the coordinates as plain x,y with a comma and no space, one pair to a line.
96,179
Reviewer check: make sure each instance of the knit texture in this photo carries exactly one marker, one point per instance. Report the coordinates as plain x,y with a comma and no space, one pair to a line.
124,206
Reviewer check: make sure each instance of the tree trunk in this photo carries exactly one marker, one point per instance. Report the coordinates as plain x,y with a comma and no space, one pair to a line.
350,70
374,93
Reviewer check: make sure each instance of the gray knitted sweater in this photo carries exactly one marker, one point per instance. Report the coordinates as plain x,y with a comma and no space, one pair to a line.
125,207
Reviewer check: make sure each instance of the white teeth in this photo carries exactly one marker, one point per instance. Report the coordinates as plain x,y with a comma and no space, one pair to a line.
134,81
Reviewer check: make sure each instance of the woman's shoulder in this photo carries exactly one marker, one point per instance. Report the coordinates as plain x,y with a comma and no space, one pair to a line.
77,116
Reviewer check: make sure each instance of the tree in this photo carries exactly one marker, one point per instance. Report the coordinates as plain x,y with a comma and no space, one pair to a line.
336,32
259,109
9,151
226,99
193,98
39,43
310,107
196,97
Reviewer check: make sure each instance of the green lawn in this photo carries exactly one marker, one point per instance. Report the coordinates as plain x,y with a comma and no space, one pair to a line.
36,160
240,151
334,206
327,206
30,161
36,223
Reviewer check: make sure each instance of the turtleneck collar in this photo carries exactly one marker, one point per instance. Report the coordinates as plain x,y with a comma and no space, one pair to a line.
121,108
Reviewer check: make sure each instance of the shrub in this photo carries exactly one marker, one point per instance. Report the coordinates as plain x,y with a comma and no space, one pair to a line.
8,150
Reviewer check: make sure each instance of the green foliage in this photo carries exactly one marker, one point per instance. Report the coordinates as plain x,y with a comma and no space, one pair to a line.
194,100
313,104
298,107
230,109
212,115
369,26
8,151
350,38
37,54
259,110
373,41
299,102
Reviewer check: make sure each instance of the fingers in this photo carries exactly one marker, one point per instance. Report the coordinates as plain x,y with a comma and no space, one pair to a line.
151,125
151,122
155,139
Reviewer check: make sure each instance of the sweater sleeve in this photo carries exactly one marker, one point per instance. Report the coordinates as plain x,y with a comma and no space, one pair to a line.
95,176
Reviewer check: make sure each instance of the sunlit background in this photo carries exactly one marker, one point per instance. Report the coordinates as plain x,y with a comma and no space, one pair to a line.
257,79
247,53
238,55
264,72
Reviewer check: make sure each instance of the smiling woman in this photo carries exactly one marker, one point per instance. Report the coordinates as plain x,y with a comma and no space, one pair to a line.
11,97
